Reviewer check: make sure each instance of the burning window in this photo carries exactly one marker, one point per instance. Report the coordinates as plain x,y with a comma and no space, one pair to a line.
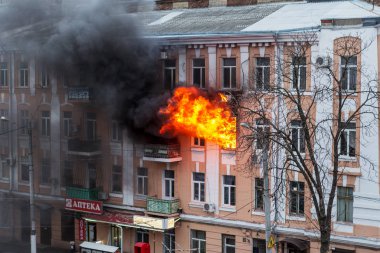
198,141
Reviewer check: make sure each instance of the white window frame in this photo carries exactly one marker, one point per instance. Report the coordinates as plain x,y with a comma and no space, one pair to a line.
67,123
44,77
199,142
227,245
296,125
3,74
24,75
348,68
116,131
197,184
45,123
299,195
4,124
199,241
231,77
169,242
299,76
257,189
265,69
262,126
172,71
4,170
350,128
202,73
229,188
118,175
168,181
144,235
45,171
348,200
91,122
24,121
144,180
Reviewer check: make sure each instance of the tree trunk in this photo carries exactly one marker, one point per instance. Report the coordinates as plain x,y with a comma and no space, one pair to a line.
325,240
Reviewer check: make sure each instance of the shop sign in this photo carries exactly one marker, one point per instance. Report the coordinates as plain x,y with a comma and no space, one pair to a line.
83,205
153,223
82,230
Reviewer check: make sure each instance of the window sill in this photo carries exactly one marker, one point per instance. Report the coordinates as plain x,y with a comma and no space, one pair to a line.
197,204
258,213
116,195
231,209
24,183
44,186
141,197
228,151
347,159
295,217
197,149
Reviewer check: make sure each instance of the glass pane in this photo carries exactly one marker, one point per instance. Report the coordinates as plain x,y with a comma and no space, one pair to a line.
352,74
259,79
145,186
196,191
202,192
199,62
226,78
226,192
266,78
169,173
302,78
302,141
167,188
294,138
170,63
262,61
343,78
197,77
229,62
232,196
343,143
352,143
301,203
233,78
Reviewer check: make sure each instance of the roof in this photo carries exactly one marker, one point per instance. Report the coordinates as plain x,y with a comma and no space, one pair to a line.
98,246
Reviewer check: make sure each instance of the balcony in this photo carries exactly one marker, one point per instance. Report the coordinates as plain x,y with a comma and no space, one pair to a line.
83,147
79,94
164,207
162,153
82,193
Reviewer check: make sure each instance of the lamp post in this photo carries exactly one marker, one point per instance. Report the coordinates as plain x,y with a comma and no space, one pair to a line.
33,241
266,189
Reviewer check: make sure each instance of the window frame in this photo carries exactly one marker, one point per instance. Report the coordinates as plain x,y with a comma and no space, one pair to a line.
45,123
4,124
347,68
23,74
117,179
68,172
45,78
144,180
299,64
170,73
24,121
67,123
349,132
262,132
262,72
116,131
296,125
195,238
199,142
201,70
144,234
169,184
3,74
169,242
258,189
229,191
45,175
348,200
226,246
24,168
297,195
197,185
231,71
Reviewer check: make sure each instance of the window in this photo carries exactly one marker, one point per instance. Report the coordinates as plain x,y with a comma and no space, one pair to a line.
4,123
298,136
3,74
169,183
25,172
91,126
91,175
44,77
142,181
45,171
259,194
263,131
67,226
67,124
299,73
116,133
229,73
169,74
45,123
24,74
199,73
262,73
115,236
345,201
199,141
117,179
68,173
24,121
91,232
348,72
228,243
169,242
4,168
5,209
297,198
229,190
198,186
198,241
347,143
142,236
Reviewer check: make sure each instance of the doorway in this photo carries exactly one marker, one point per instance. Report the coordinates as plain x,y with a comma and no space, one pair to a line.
45,229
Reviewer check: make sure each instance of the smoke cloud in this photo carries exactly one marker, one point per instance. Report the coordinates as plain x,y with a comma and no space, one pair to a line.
95,44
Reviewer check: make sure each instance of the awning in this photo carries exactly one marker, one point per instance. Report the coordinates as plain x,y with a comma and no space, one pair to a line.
118,218
98,247
299,243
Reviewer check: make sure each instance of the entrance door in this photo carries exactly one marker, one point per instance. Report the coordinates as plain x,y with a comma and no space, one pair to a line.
25,224
45,222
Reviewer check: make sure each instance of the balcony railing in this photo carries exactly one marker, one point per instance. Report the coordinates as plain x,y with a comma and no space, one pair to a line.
82,193
83,147
162,206
79,94
162,153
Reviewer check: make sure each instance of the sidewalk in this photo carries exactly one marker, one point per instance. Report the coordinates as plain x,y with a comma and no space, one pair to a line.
21,247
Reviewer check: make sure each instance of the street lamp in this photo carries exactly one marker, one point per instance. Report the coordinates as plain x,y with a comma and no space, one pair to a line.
266,188
33,241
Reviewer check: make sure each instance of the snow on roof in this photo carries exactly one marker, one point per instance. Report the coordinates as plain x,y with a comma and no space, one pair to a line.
308,15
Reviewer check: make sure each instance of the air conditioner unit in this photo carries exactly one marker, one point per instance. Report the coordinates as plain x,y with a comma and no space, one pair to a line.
323,61
208,207
102,195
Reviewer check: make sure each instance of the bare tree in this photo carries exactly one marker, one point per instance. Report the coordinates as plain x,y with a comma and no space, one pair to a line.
314,113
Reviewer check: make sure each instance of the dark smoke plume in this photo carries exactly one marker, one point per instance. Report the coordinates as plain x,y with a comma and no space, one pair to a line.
95,44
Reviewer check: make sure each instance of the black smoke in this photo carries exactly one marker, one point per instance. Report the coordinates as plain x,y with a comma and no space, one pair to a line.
95,44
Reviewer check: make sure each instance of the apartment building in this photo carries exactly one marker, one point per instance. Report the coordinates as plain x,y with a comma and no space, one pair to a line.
94,184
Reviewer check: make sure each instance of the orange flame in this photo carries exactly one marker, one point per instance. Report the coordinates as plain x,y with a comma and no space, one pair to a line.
191,113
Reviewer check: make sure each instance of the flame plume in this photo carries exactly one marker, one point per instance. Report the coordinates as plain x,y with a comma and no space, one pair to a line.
193,113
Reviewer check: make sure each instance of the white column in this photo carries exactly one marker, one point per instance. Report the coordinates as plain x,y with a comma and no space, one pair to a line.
182,65
212,174
128,177
244,63
212,66
55,138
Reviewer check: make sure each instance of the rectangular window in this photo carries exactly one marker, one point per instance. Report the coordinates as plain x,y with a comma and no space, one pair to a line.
115,236
299,73
5,209
45,171
297,198
262,131
169,74
45,123
169,183
228,243
117,178
229,190
4,168
199,141
24,121
345,201
4,123
259,194
91,232
142,236
67,226
262,73
348,73
67,124
169,242
91,126
92,175
68,173
24,74
116,132
142,181
347,143
44,77
199,73
198,186
198,241
25,172
229,73
298,136
3,74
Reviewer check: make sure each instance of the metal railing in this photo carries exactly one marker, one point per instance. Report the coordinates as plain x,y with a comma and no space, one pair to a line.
162,151
162,206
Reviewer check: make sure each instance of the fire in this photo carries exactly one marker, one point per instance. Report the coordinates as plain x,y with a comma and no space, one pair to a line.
192,113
